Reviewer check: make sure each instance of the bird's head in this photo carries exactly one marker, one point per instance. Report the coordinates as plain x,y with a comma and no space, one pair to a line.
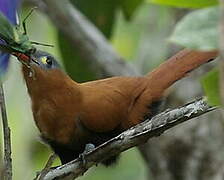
44,61
39,64
41,69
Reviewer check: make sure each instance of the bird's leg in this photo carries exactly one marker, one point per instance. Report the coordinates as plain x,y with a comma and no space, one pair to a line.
88,148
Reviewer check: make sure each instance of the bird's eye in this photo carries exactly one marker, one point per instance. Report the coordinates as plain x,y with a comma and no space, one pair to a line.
49,61
46,60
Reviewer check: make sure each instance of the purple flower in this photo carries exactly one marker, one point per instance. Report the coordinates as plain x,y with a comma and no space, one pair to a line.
8,8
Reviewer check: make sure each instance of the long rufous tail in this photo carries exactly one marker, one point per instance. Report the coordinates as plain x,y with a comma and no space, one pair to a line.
178,66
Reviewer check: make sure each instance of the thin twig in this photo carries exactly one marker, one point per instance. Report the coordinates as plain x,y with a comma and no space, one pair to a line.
130,138
7,138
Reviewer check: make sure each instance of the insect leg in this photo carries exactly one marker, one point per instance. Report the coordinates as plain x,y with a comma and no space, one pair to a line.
24,20
42,44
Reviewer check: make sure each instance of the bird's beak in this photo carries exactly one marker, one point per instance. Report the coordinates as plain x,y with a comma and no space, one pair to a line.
24,59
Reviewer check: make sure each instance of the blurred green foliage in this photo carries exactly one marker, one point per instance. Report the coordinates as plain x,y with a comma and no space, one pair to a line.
129,6
186,3
210,83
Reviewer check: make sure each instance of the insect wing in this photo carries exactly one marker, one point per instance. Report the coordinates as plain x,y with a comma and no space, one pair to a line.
6,30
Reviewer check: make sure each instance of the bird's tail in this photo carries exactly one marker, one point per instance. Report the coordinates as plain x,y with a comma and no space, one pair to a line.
177,67
162,78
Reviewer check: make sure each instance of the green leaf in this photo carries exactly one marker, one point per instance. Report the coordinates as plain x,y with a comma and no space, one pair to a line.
198,30
210,84
129,6
186,3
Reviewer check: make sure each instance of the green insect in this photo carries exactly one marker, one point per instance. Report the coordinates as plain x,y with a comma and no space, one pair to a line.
13,39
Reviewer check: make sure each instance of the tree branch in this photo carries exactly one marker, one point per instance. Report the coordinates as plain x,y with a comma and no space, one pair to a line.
134,136
7,172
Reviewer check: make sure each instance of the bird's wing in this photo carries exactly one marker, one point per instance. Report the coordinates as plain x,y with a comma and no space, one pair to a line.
107,103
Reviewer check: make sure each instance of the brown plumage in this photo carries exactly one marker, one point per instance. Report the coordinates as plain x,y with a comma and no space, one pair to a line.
69,114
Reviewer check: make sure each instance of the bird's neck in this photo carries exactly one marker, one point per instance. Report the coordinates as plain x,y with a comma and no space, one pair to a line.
52,93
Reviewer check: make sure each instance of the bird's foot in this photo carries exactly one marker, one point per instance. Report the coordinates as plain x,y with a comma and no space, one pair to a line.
89,147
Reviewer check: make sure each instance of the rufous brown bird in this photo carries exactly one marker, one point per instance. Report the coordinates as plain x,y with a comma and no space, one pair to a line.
71,115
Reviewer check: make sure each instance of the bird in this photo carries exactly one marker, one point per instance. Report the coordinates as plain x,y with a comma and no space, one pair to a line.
72,115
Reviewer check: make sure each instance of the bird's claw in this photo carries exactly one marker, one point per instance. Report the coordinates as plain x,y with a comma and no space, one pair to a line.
89,147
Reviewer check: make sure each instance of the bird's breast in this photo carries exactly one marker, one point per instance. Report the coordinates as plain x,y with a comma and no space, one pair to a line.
54,122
